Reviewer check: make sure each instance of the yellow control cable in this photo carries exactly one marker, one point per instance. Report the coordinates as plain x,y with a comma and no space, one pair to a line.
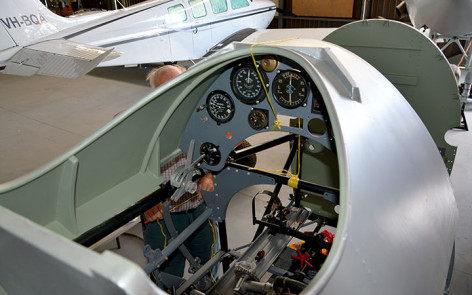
212,245
162,231
184,202
294,178
293,181
277,121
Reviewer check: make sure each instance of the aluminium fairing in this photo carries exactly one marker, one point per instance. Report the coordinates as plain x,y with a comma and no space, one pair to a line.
450,18
397,210
398,213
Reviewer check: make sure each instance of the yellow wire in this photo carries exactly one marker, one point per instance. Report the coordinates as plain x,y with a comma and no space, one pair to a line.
299,146
165,237
277,121
160,225
162,231
294,178
184,202
293,181
154,276
212,245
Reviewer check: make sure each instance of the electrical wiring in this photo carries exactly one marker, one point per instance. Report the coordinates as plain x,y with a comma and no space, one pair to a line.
162,231
212,245
172,209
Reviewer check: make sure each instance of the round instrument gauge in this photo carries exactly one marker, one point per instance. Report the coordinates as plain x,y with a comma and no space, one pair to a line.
220,106
290,89
212,153
258,119
246,84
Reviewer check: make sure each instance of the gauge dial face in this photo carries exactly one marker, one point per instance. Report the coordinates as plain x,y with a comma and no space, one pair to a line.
290,89
258,119
220,106
246,84
212,153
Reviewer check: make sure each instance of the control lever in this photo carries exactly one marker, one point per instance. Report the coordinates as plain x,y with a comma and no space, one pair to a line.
182,177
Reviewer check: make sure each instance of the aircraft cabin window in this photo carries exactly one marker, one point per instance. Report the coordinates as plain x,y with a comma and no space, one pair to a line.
198,8
235,4
176,14
219,6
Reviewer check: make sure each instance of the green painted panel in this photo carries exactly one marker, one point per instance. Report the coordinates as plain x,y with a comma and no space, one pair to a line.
416,66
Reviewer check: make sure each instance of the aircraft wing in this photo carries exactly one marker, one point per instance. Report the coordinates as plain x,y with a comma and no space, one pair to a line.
58,58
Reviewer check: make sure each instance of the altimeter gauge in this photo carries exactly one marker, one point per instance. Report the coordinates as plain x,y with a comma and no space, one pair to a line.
290,89
246,84
220,106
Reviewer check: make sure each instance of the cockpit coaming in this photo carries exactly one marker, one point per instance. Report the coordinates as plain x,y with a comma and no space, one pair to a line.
236,106
296,97
347,163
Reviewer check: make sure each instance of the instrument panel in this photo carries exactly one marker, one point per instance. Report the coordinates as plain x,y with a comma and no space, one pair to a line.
246,99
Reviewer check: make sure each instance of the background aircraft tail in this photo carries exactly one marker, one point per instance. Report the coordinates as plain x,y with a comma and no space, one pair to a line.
32,43
28,21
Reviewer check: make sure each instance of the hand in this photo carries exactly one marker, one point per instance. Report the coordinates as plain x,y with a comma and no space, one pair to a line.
206,183
154,213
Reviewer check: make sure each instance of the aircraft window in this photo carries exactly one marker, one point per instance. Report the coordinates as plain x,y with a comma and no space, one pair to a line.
236,4
219,6
198,8
176,14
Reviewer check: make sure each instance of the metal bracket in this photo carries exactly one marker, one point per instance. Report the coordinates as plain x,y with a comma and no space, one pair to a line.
182,177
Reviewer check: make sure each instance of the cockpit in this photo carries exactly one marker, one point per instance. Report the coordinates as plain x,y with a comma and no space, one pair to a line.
272,100
344,189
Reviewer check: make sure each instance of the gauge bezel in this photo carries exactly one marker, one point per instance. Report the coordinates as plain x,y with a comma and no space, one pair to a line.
281,102
265,115
269,63
240,96
232,107
213,158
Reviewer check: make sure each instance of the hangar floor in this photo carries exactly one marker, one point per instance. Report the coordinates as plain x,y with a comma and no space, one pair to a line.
42,117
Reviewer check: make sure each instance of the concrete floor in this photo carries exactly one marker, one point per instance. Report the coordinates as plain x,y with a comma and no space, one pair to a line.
42,117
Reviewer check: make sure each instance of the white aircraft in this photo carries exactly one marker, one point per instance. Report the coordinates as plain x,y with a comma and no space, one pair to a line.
450,22
450,18
33,40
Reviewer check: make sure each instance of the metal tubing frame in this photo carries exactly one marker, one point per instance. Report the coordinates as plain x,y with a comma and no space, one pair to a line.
173,233
245,152
302,184
277,188
174,244
201,272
